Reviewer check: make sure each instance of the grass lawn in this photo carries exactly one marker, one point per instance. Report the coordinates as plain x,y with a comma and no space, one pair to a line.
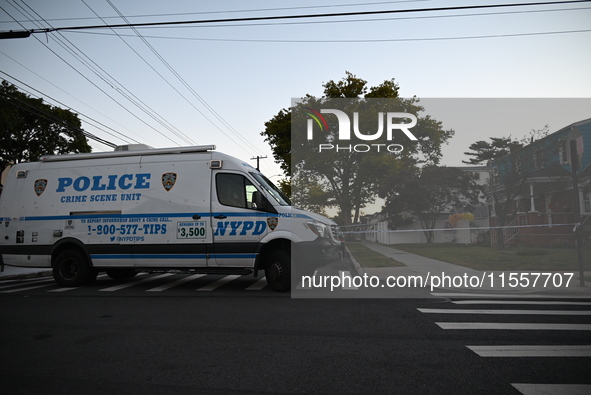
369,258
488,258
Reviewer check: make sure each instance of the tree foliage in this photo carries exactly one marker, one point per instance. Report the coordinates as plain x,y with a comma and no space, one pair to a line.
427,192
30,128
482,152
510,174
350,179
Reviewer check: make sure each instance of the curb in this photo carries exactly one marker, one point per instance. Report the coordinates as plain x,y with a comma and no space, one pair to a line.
358,267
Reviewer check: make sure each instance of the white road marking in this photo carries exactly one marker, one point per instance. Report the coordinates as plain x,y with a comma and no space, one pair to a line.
553,389
503,312
514,296
347,274
532,351
131,284
29,282
514,326
257,286
219,283
175,283
28,288
524,302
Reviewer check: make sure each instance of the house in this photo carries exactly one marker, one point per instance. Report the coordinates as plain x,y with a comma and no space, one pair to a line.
375,227
531,191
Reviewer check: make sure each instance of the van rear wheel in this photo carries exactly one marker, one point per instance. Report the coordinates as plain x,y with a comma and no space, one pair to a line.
71,268
278,271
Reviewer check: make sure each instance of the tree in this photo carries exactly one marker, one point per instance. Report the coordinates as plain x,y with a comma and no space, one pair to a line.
482,151
426,193
278,134
30,128
350,179
514,163
498,147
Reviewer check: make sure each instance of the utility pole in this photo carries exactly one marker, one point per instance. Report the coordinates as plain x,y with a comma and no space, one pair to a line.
258,158
575,168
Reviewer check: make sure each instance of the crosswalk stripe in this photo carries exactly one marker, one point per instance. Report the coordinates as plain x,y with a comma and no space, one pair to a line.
257,286
532,351
219,283
511,296
22,282
71,288
505,312
553,389
28,288
131,284
175,283
524,302
514,326
63,289
347,274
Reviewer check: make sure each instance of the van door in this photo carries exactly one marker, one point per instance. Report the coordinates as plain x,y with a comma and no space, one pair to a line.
237,225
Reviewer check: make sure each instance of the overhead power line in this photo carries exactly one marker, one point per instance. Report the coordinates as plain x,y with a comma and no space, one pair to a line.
302,16
351,41
187,86
230,11
102,74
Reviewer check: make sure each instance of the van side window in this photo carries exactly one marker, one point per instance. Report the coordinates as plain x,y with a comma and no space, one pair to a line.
234,190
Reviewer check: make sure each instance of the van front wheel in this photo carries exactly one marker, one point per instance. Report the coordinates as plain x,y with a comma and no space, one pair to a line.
278,271
72,269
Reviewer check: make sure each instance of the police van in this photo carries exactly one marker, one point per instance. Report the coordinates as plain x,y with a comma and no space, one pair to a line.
188,209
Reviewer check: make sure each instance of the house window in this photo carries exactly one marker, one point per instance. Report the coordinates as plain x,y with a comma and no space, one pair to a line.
538,159
495,176
586,202
562,152
518,165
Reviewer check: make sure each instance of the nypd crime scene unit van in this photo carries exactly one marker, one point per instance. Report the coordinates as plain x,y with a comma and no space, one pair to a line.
188,209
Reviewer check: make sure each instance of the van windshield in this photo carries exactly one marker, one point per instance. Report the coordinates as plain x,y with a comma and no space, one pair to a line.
272,189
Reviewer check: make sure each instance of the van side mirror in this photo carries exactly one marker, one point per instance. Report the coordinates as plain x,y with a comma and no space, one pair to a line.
260,202
257,200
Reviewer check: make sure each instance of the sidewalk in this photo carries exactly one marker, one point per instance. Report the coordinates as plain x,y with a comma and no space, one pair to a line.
12,273
417,265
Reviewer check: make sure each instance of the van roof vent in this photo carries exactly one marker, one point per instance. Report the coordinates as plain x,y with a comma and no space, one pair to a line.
132,147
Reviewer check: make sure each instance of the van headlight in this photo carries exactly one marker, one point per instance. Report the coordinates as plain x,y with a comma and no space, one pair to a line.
319,229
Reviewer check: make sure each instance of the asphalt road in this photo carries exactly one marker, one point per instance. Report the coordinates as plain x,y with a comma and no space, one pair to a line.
230,340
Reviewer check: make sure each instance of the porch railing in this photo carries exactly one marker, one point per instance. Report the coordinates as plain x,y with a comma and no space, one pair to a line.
510,232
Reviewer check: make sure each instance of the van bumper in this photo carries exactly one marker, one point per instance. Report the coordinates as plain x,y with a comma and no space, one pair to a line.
317,253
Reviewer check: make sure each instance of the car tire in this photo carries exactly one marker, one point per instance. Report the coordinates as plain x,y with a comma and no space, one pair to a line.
71,268
278,271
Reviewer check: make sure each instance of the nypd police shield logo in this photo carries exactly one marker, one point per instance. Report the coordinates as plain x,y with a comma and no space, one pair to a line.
272,222
40,186
168,181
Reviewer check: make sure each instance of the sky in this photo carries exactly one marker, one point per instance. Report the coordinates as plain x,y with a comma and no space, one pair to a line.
218,83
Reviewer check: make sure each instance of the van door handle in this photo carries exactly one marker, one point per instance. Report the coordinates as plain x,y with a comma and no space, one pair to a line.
196,216
220,217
